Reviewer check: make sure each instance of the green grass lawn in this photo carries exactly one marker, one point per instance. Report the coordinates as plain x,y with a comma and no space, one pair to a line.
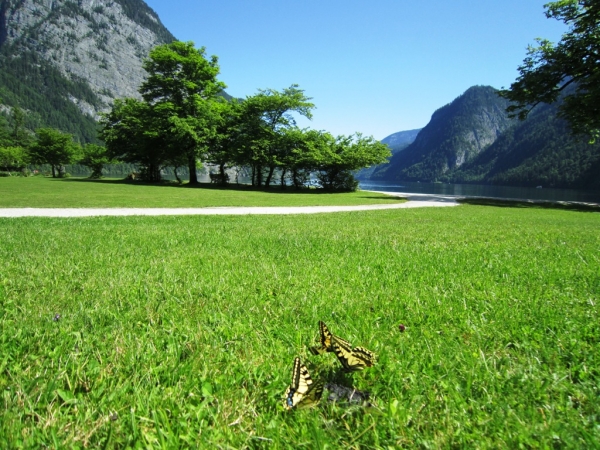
182,331
40,192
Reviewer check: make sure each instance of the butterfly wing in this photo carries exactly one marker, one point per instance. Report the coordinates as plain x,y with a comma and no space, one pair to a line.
303,391
352,359
326,338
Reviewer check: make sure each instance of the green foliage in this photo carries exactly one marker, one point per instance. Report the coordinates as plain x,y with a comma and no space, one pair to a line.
342,156
133,134
180,90
549,69
266,117
54,148
227,138
180,332
538,152
95,157
13,158
5,135
29,82
183,118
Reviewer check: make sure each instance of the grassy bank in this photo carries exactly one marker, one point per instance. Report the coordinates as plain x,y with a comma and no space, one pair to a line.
181,331
40,192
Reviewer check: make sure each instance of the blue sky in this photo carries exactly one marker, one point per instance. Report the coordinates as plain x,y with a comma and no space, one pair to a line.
375,67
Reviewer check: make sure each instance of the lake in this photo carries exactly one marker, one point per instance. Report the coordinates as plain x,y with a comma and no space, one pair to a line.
475,190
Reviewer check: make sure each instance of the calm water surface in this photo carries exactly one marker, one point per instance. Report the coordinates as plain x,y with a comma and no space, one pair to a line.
484,191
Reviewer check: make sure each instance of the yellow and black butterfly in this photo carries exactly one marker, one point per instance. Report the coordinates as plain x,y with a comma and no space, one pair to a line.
326,340
352,359
303,391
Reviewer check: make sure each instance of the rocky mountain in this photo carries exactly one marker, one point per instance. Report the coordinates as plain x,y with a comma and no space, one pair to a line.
541,151
455,134
472,140
400,140
64,61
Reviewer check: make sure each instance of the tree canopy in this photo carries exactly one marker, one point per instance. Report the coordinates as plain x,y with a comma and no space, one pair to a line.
569,70
54,148
180,89
184,119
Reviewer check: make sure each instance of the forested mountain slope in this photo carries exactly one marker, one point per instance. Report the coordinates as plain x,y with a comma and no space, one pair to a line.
400,140
456,133
64,61
537,152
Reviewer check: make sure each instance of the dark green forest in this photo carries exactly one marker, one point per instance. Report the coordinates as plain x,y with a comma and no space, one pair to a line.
443,143
28,81
538,152
32,84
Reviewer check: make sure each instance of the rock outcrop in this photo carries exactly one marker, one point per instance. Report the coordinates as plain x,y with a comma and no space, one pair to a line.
100,43
456,133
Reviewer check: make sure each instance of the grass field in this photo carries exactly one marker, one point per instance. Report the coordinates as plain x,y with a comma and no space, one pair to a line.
180,332
40,192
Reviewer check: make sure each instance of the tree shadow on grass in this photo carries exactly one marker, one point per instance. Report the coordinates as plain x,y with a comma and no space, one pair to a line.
218,187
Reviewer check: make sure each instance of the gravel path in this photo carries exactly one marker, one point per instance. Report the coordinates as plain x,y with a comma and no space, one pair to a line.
415,201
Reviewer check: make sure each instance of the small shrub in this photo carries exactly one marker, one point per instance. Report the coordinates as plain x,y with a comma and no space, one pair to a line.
5,174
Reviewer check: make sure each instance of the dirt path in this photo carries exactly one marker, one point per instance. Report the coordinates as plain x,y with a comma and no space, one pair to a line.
415,201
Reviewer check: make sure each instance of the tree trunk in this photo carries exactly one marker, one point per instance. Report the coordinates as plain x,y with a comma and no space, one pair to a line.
177,175
192,169
259,175
269,176
222,172
283,172
53,171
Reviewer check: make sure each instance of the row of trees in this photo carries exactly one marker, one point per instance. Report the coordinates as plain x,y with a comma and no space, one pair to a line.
19,148
183,119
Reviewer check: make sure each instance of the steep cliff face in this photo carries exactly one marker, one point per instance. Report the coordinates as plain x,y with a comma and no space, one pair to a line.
456,133
91,40
85,53
541,151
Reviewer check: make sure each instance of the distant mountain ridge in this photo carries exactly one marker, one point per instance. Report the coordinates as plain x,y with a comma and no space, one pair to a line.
537,152
396,142
455,133
65,61
401,139
472,140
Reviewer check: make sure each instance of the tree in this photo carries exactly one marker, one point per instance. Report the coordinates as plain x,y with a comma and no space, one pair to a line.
54,148
95,157
300,154
133,134
569,70
19,134
266,115
13,158
5,134
181,86
343,155
221,148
